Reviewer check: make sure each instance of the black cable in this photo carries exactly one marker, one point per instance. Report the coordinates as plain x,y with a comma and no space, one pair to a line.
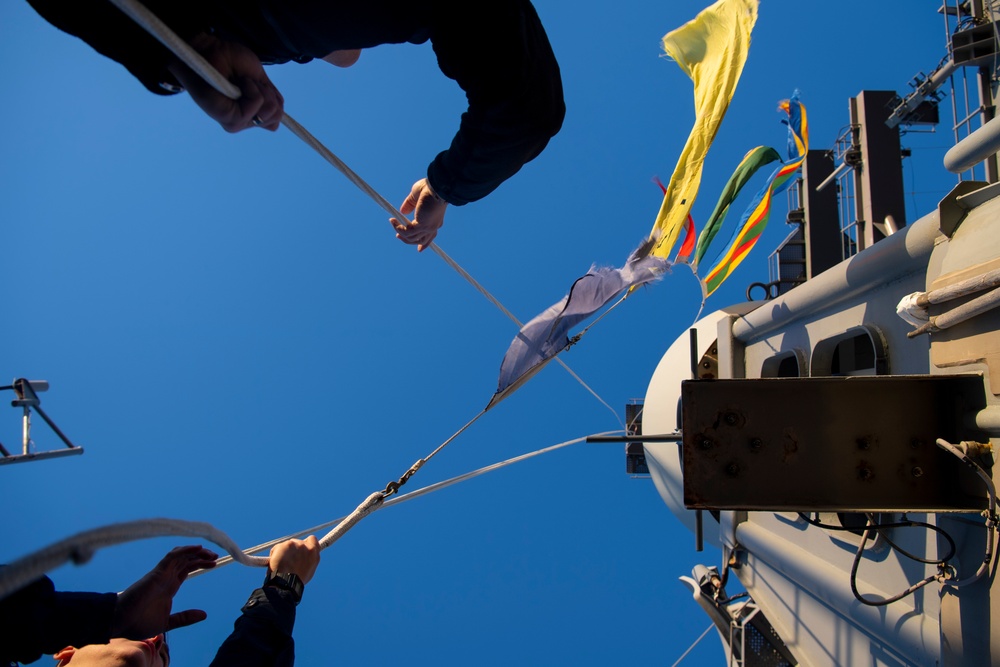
878,527
952,549
854,576
906,523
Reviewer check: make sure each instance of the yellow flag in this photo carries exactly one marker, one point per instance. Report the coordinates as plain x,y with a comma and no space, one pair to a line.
712,50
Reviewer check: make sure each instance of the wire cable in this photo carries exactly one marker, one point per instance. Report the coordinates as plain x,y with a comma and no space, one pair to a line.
691,648
906,523
81,547
402,498
854,575
194,60
990,514
874,526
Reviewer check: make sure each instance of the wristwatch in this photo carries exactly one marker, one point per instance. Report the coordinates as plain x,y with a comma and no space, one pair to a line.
286,581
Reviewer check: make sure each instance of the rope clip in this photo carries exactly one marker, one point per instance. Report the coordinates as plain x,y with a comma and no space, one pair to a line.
393,487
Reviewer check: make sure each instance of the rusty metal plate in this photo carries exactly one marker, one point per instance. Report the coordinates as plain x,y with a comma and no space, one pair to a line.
830,444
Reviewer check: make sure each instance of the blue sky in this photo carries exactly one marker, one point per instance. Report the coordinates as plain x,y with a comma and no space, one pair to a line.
232,332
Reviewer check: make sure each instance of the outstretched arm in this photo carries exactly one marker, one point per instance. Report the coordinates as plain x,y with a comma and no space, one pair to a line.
262,635
500,56
39,620
144,608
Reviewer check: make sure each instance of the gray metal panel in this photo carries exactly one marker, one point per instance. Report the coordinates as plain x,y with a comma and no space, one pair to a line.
829,444
902,254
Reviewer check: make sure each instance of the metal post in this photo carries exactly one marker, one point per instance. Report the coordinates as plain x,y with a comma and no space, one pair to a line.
26,429
699,535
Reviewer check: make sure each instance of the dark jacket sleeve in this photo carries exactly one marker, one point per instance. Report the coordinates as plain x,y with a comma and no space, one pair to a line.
39,620
113,34
499,54
262,636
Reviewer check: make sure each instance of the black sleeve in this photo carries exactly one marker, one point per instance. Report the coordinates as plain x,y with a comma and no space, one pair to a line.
499,54
39,620
113,34
262,636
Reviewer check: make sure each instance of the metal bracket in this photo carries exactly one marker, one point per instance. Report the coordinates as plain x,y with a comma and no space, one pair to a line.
830,443
27,399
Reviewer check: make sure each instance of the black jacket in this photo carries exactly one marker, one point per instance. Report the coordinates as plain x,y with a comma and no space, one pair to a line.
497,52
39,620
262,636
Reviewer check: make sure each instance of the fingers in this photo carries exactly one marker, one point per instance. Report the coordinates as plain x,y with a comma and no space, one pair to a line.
185,618
259,105
299,557
410,203
428,218
181,561
413,233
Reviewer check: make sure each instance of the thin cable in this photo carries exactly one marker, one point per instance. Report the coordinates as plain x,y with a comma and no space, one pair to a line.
194,60
592,392
81,547
906,523
402,498
952,548
690,648
878,528
206,71
854,575
990,514
393,487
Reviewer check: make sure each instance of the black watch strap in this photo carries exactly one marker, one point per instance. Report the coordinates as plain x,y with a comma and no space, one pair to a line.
286,581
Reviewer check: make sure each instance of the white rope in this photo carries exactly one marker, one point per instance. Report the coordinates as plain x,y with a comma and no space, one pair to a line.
162,32
81,547
153,25
422,491
194,60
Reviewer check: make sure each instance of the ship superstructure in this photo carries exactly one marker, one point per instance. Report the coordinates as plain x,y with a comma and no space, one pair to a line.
840,454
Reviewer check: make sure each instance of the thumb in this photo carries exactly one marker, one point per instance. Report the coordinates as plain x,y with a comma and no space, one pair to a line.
409,204
184,618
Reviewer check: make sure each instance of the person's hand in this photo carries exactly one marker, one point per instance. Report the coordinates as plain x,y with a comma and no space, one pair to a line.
428,210
143,609
298,557
260,104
